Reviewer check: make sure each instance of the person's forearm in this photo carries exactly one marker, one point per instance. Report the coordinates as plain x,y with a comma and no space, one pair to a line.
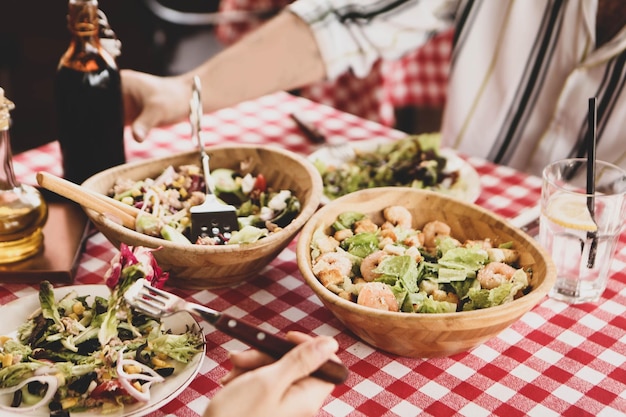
281,55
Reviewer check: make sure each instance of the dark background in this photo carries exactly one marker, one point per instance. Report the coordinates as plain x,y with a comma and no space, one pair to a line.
33,36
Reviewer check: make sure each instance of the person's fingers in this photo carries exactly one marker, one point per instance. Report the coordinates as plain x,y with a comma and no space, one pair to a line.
248,360
303,359
298,337
245,361
142,125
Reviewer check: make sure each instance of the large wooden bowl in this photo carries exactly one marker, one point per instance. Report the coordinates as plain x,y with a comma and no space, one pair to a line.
428,335
198,266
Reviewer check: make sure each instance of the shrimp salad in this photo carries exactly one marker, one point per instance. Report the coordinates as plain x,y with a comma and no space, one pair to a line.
413,161
82,353
395,267
166,201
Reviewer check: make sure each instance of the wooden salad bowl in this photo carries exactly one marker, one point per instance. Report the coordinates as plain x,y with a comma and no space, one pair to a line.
199,266
428,335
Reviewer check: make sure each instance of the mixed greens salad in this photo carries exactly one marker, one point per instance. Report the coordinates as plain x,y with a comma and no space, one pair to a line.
83,353
166,201
414,161
395,267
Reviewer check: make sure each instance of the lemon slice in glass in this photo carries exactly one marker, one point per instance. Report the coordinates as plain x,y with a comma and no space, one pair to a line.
570,210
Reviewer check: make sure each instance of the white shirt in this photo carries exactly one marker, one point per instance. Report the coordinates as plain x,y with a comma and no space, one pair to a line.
521,73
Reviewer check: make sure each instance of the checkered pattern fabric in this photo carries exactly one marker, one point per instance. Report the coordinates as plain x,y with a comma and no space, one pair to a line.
557,360
418,79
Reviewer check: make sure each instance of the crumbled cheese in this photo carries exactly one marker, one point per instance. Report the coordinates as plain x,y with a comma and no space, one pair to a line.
247,183
279,201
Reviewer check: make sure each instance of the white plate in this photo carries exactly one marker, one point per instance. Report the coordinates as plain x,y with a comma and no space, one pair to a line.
467,189
17,312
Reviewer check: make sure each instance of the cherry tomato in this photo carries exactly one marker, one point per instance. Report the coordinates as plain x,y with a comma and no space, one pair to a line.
109,390
260,183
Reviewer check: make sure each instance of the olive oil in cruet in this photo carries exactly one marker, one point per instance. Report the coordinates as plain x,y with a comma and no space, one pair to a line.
23,211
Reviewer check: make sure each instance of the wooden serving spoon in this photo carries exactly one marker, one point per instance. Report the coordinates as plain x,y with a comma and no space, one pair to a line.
114,209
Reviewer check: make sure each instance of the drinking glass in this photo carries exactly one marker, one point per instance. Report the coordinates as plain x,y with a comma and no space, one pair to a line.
580,230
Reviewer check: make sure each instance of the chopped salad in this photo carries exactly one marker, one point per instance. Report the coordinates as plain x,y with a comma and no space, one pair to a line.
414,161
82,353
166,201
395,267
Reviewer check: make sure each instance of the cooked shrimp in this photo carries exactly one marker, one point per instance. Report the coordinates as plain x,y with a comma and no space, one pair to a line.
432,230
369,263
508,256
377,295
332,267
399,216
494,273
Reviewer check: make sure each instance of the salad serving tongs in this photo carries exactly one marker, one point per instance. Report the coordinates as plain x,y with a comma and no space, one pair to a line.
107,206
159,303
212,218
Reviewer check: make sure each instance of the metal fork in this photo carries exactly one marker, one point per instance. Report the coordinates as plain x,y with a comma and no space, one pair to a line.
338,150
158,303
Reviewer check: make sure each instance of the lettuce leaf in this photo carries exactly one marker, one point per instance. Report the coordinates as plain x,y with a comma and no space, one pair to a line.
504,293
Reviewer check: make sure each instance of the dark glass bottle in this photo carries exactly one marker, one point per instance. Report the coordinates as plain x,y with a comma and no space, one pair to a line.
88,94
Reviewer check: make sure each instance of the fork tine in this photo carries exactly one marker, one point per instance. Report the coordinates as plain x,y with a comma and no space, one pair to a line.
155,298
145,307
151,289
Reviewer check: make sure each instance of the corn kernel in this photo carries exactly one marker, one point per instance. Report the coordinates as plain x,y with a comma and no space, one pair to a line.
68,402
138,386
61,378
7,360
136,192
183,193
128,200
132,369
3,339
78,308
159,363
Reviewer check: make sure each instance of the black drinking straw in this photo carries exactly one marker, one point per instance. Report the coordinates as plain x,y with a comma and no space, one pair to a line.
591,175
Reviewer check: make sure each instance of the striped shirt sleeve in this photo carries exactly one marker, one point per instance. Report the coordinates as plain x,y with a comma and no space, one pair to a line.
353,35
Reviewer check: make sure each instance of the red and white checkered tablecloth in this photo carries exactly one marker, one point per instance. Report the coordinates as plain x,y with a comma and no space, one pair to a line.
557,360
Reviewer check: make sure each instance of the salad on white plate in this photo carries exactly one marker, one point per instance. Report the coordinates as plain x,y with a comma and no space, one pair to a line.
92,354
416,161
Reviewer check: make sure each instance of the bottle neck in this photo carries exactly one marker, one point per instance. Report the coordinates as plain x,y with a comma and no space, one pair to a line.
85,24
7,176
83,20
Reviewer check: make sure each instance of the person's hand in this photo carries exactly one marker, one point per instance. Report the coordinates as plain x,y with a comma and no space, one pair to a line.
151,101
258,387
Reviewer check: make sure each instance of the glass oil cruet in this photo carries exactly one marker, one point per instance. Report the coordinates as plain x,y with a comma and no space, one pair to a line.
23,211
